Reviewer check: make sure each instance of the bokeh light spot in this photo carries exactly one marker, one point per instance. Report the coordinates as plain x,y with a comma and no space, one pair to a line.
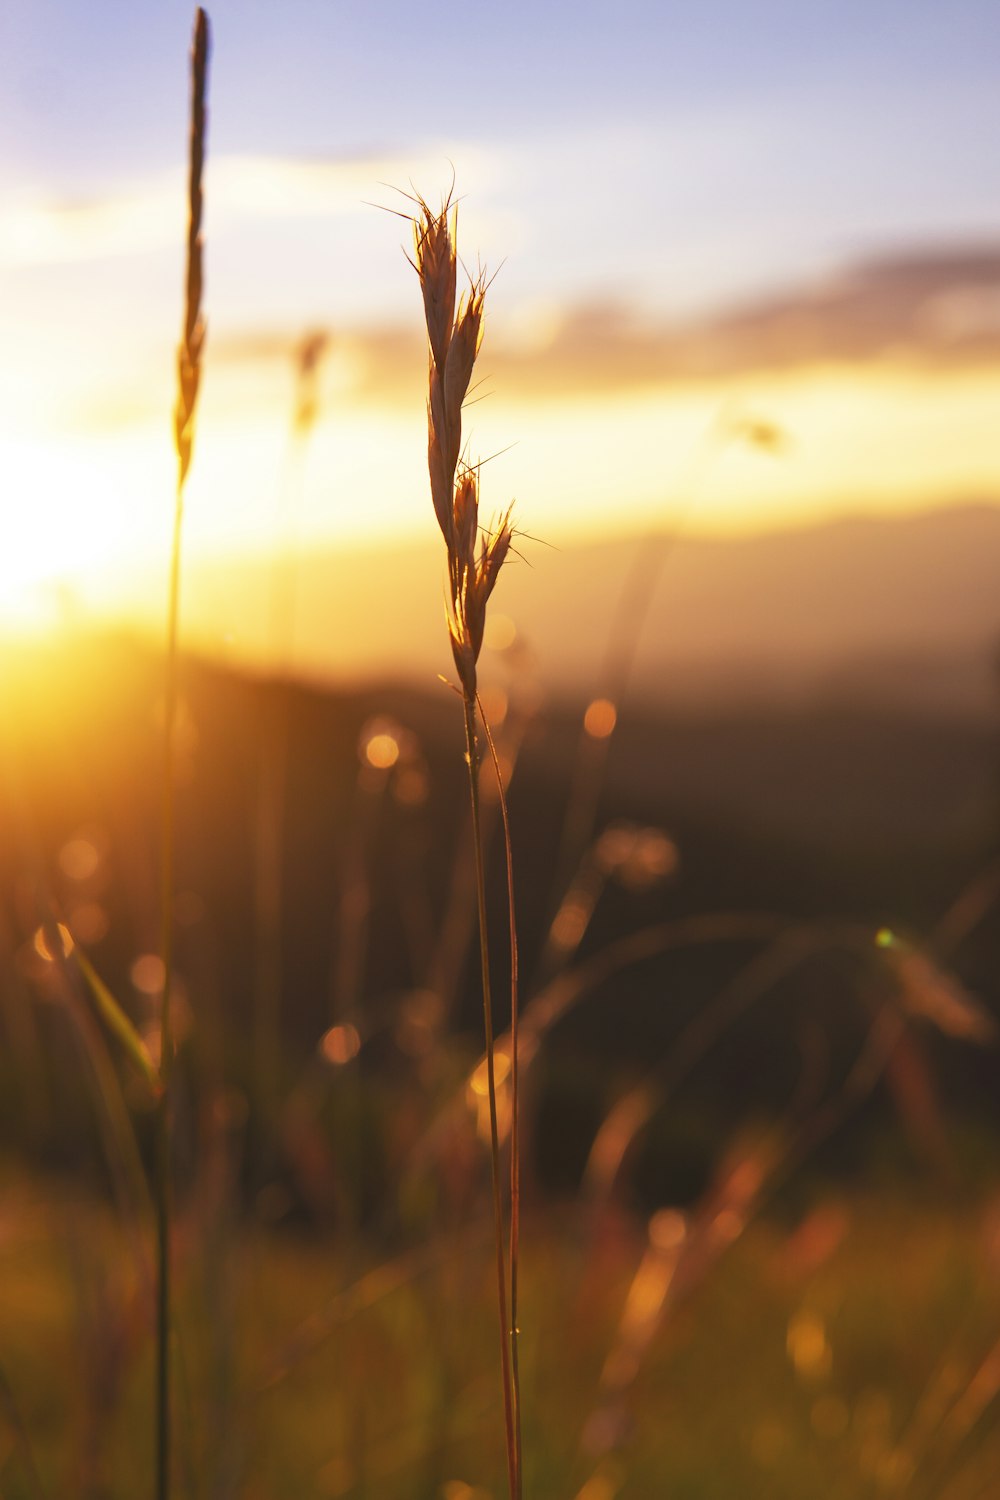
808,1349
600,718
340,1044
79,858
146,974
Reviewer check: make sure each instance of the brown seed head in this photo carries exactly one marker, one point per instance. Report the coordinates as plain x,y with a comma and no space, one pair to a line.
462,352
466,519
441,476
189,354
436,262
454,339
473,581
464,655
496,546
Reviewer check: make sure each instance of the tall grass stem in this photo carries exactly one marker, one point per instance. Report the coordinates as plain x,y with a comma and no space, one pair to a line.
189,360
515,1142
472,755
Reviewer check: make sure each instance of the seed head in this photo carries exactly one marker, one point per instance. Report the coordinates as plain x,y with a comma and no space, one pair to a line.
189,354
462,352
454,338
437,264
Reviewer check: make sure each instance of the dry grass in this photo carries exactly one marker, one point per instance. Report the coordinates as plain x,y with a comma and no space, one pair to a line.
454,335
475,557
189,365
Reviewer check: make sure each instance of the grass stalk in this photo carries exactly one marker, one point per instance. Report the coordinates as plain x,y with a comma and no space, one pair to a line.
515,1138
189,361
506,1340
475,556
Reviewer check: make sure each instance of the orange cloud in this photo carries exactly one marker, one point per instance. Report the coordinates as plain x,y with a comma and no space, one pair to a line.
927,310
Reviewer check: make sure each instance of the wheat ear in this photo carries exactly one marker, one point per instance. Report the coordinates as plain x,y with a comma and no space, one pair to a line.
475,557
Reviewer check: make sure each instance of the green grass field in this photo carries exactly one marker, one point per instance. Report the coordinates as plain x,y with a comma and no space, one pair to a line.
848,1349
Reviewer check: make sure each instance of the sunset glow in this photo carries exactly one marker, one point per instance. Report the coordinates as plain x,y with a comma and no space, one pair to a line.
626,375
90,510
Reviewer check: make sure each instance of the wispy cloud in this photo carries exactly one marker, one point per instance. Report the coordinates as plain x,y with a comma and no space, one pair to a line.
146,215
932,310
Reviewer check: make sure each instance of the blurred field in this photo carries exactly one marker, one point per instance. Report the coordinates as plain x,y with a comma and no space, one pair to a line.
760,1184
846,1347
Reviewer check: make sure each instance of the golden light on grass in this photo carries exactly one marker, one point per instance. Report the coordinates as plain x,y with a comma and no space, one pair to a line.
600,1487
479,1080
492,1106
495,705
43,944
645,1305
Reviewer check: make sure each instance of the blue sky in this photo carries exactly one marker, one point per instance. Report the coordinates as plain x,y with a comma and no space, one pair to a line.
667,162
812,129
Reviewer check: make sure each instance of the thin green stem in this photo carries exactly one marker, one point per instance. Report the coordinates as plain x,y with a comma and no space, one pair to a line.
505,1359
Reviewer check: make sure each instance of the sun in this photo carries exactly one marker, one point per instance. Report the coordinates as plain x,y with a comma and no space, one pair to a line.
78,515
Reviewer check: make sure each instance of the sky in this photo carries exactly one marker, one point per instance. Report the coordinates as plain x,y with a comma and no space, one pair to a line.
704,222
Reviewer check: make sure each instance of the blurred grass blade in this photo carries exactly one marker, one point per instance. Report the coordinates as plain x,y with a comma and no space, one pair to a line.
118,1022
515,1146
22,1439
927,991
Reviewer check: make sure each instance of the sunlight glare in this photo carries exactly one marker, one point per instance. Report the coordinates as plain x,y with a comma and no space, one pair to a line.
75,509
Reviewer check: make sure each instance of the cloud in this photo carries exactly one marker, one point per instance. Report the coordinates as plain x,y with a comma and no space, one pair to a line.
932,310
929,311
146,216
925,305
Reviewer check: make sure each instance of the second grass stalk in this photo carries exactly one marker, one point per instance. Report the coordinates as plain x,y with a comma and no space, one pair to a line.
475,556
189,361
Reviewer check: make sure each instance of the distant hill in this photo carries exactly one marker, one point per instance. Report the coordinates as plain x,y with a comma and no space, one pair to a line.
818,812
905,609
